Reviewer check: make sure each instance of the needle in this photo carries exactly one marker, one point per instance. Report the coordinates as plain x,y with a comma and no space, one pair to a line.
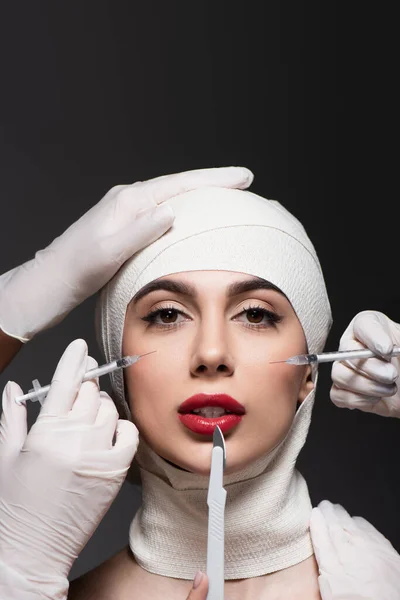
39,393
309,359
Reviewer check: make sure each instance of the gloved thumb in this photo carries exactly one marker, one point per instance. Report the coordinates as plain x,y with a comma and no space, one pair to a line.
13,422
325,588
376,331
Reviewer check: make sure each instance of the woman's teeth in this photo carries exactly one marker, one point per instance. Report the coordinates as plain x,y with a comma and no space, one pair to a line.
211,412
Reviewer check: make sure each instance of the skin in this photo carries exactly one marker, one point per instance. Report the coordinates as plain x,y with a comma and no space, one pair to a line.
9,347
214,344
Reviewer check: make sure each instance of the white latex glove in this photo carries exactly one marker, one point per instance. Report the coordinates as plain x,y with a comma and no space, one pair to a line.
58,481
41,292
355,561
369,384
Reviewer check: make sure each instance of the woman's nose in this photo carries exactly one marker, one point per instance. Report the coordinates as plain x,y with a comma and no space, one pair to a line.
211,355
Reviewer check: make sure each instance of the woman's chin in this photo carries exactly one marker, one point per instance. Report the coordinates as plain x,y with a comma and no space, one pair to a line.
203,467
195,457
197,469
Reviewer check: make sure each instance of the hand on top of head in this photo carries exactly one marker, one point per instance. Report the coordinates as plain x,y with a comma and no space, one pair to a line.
369,384
128,218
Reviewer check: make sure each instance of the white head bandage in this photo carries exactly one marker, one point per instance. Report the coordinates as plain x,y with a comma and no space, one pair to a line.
268,502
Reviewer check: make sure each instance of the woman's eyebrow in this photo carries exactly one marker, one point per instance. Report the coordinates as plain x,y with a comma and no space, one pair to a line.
248,285
177,287
186,289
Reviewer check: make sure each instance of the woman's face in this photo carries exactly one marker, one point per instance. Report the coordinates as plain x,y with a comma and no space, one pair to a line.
215,333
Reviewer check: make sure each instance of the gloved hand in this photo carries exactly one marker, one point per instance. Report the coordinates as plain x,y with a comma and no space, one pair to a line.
369,384
41,292
58,481
355,561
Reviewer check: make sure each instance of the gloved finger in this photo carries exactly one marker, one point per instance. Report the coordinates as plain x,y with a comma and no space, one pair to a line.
87,402
91,363
13,423
165,187
148,227
352,379
372,329
371,533
336,513
66,381
325,587
365,365
200,587
325,553
373,368
385,407
345,399
105,423
126,443
342,531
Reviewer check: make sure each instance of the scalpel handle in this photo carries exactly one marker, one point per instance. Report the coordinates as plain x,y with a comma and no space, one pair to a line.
216,526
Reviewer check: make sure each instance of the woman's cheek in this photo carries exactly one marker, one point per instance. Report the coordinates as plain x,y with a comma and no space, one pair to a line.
151,389
281,394
289,377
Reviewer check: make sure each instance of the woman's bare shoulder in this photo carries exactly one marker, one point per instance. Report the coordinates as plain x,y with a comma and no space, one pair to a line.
105,582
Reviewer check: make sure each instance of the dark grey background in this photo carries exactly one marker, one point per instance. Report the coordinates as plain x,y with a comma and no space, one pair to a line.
95,94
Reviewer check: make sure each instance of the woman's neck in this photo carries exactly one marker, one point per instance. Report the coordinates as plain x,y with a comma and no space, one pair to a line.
267,513
266,519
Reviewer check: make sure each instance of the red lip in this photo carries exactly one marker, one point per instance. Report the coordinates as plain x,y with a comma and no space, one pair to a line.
204,425
202,400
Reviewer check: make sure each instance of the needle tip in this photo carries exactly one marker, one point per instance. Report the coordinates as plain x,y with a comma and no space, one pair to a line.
127,361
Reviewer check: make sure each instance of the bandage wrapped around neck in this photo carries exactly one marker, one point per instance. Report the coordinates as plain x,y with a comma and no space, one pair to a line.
268,501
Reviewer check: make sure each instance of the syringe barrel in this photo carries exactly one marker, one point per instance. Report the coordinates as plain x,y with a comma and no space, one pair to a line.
99,371
351,355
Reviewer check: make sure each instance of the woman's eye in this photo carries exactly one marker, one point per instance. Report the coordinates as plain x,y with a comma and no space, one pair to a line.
164,316
258,316
255,316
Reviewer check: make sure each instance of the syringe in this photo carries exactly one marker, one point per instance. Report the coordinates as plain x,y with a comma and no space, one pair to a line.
39,393
311,359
